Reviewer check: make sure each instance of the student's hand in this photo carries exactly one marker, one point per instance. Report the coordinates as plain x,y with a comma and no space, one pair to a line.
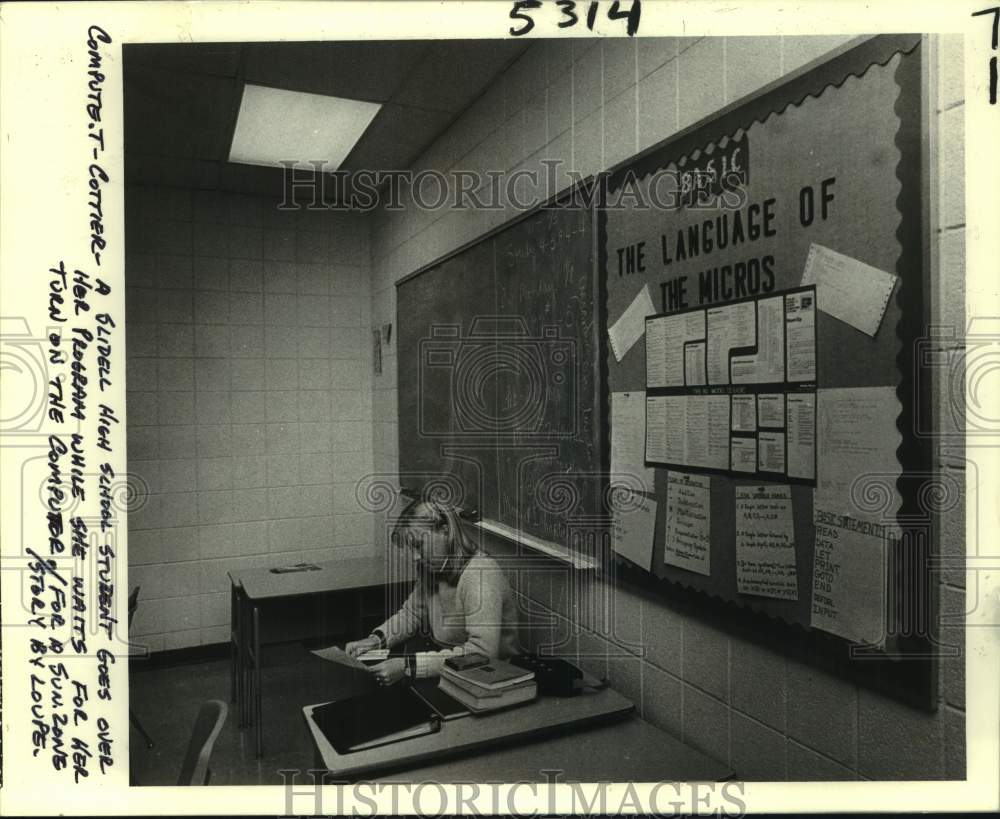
356,647
389,671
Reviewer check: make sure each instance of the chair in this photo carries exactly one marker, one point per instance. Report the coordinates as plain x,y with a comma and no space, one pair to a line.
133,604
211,718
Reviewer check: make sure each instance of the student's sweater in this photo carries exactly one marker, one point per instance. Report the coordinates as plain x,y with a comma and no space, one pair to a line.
477,614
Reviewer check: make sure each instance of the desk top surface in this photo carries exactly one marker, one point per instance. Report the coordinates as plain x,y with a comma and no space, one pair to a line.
332,575
570,734
629,750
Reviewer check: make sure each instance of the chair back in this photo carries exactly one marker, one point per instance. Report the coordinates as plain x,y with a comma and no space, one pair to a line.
211,718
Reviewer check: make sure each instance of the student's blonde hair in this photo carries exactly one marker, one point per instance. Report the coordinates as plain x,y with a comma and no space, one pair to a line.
423,514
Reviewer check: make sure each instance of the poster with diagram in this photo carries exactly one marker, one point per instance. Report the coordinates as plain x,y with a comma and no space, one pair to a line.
732,388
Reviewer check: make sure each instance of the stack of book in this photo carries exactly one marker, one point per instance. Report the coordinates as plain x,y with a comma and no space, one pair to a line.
489,687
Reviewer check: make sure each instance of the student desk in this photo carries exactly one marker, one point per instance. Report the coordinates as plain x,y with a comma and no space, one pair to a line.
592,737
252,590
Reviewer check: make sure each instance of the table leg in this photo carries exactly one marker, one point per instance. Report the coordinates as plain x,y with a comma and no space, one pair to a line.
245,681
239,630
256,669
233,642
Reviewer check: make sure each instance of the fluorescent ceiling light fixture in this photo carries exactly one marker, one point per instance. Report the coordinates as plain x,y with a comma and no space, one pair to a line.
276,125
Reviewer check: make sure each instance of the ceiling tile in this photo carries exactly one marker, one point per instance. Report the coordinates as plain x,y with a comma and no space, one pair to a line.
171,171
370,71
251,179
218,59
181,100
181,115
396,137
455,72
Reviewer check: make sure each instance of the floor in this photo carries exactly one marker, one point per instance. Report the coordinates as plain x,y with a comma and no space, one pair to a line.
166,702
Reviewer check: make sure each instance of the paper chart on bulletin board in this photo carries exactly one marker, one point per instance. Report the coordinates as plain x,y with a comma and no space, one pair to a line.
839,143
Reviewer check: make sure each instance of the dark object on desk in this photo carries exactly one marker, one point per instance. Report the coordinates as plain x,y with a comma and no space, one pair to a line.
555,677
444,706
383,716
297,567
466,662
207,726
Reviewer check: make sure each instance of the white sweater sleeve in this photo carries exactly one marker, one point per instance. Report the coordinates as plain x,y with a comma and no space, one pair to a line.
407,621
480,594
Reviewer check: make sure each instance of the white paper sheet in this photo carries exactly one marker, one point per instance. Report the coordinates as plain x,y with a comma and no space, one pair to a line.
694,364
628,428
335,654
848,289
856,452
744,455
688,430
801,435
686,534
632,530
849,578
744,413
771,410
800,336
730,326
771,452
664,444
631,325
765,542
767,365
710,414
665,350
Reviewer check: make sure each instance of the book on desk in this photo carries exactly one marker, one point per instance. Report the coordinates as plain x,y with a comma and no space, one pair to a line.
489,687
377,718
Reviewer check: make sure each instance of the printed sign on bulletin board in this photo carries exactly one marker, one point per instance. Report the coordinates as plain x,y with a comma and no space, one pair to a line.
732,388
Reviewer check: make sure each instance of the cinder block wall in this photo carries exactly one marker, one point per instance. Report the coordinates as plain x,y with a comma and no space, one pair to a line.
249,398
593,103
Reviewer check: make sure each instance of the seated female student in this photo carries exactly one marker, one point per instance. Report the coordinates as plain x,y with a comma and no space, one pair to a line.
462,598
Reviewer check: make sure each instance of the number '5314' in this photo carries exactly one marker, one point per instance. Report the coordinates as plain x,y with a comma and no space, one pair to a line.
569,14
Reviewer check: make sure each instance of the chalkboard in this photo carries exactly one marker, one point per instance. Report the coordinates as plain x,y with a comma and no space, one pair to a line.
834,155
497,346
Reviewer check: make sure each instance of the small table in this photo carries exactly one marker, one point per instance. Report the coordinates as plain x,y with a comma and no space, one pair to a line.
589,738
250,590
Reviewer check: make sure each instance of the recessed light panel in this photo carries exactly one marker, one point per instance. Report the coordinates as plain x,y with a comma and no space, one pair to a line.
276,125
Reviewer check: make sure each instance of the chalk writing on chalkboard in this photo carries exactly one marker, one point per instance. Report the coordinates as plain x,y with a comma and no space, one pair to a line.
496,380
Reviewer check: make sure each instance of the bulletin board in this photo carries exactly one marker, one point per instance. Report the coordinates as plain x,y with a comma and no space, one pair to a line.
797,212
